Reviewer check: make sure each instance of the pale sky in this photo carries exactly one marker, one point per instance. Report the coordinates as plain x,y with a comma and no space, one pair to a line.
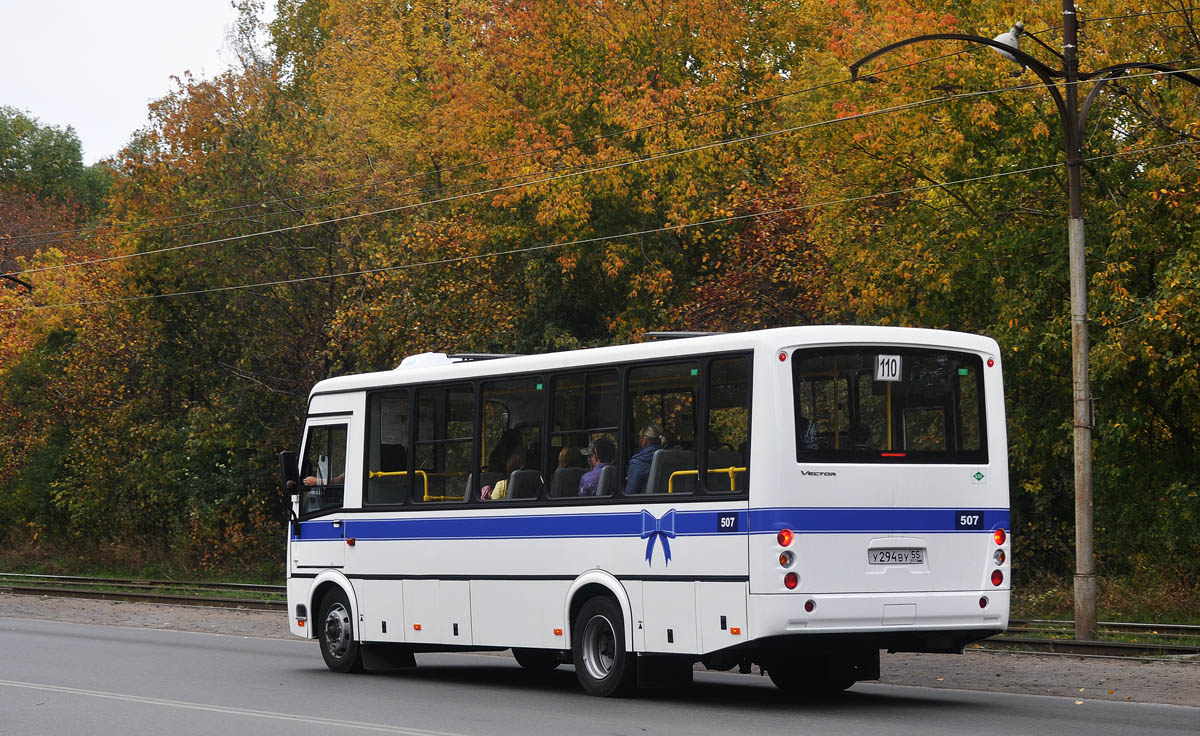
95,65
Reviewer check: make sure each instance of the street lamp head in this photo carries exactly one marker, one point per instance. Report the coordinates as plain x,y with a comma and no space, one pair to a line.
1012,39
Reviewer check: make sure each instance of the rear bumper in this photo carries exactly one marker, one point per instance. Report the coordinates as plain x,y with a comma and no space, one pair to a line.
900,621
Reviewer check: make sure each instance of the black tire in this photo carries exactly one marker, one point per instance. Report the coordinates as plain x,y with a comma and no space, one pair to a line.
537,660
602,664
335,631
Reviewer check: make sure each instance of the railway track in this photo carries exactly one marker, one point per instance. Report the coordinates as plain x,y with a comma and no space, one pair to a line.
1038,635
178,592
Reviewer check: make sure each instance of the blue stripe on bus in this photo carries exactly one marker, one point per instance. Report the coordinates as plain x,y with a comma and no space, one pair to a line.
877,520
630,524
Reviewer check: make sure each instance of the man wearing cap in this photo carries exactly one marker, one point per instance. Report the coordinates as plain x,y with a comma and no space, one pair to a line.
600,452
639,464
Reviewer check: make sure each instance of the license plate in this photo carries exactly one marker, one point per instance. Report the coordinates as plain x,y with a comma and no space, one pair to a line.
902,556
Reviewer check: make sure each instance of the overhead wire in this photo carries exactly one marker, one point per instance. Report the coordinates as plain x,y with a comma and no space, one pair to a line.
498,159
550,179
533,182
28,239
587,241
460,167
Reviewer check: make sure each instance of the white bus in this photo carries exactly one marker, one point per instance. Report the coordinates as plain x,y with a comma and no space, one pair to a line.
796,498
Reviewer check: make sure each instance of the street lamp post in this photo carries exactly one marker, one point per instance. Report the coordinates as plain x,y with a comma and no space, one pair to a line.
1073,119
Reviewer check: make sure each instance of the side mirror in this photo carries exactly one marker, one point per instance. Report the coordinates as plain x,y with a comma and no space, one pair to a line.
289,474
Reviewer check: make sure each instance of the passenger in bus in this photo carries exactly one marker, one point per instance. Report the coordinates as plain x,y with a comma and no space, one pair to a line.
313,480
639,465
600,453
516,461
498,459
569,457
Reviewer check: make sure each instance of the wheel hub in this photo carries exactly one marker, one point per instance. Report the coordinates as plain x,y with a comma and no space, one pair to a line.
599,647
337,630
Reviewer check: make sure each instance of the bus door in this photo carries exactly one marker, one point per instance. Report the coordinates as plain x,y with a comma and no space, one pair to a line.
318,534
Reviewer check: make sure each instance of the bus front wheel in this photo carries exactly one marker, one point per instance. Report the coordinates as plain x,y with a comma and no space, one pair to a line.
338,647
602,664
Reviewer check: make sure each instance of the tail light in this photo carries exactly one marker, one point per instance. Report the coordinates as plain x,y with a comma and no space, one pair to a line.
785,537
791,580
997,577
999,536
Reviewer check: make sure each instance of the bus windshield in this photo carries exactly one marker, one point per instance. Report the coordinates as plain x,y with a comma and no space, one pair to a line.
888,404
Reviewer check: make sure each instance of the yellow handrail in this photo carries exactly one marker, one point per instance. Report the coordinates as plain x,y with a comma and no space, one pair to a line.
428,497
424,478
732,471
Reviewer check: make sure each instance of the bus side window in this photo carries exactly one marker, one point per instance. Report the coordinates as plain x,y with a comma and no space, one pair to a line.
388,478
663,399
325,463
584,408
513,414
445,437
727,426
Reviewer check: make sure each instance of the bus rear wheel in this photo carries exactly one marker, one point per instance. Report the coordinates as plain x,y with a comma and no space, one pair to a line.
602,664
336,633
537,660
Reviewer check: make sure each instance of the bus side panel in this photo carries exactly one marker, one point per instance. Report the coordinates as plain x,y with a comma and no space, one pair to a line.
421,615
722,615
669,616
381,610
519,613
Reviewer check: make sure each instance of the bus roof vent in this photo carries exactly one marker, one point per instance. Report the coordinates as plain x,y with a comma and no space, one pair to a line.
468,357
423,360
675,335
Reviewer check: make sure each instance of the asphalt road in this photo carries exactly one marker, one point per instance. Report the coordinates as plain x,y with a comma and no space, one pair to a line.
64,678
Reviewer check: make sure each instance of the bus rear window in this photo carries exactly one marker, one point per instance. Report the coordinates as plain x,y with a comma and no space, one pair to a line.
886,404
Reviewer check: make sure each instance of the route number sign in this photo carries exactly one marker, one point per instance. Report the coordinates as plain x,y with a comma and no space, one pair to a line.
887,367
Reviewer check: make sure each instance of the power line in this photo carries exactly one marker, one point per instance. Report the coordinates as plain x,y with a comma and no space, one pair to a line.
474,164
545,180
586,241
454,169
1126,16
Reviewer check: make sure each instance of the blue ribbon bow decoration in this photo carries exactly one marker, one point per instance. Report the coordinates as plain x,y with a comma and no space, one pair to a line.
654,529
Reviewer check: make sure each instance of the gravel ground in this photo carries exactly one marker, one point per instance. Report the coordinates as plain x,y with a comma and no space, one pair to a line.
1172,681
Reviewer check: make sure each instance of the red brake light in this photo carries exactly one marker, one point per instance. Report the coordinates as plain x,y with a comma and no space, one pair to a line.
785,537
997,577
999,536
791,580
